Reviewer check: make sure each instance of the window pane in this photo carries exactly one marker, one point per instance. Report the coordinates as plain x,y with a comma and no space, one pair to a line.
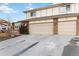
67,7
62,9
33,13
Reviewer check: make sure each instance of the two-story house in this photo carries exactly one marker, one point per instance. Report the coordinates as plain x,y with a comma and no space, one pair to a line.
61,19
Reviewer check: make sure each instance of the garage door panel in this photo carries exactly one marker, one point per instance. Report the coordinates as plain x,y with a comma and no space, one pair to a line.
41,28
67,33
67,28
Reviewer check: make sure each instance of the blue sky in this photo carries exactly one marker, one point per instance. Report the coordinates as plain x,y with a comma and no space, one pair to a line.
14,11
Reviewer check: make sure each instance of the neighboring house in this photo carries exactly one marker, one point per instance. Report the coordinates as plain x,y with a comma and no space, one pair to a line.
61,19
20,26
15,28
4,29
4,25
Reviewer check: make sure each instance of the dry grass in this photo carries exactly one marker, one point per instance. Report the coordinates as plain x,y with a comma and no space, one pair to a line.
4,36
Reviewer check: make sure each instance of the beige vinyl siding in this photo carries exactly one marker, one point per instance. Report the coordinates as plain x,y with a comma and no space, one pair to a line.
67,19
56,11
40,21
50,12
38,13
76,8
43,12
72,8
28,15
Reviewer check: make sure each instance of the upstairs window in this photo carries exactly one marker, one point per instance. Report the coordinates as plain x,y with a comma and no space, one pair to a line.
67,8
33,13
62,9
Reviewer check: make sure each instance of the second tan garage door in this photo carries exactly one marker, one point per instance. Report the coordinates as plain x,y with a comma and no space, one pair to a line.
67,28
41,28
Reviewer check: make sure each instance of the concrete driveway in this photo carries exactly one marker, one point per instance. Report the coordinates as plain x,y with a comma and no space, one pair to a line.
34,45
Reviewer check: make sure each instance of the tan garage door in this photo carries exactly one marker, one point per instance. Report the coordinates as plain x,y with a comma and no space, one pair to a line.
67,28
41,28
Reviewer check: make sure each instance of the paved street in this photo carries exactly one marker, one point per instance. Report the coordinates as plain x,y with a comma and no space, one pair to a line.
34,45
